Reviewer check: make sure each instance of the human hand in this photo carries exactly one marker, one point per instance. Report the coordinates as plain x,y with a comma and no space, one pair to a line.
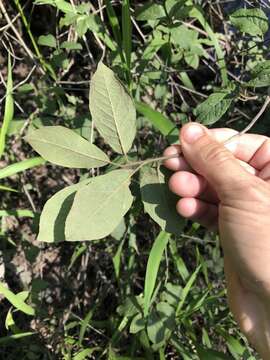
229,189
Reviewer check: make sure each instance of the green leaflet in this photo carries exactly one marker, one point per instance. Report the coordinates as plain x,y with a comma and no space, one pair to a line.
47,40
16,300
260,75
62,146
251,21
54,214
112,110
150,11
213,108
158,201
99,206
161,324
153,263
9,109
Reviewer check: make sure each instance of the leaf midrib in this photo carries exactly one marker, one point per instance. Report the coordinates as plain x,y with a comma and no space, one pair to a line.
114,115
67,148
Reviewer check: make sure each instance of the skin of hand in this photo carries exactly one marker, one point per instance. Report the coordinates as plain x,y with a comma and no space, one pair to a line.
227,187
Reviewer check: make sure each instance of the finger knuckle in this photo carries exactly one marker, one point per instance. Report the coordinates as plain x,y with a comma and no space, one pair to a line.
215,154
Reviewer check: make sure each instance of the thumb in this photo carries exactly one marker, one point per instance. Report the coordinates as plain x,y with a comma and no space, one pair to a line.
212,160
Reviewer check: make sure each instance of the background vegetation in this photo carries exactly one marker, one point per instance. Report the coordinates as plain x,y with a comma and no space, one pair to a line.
185,60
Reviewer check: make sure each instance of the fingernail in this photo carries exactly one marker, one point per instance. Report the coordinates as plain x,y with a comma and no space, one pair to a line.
192,133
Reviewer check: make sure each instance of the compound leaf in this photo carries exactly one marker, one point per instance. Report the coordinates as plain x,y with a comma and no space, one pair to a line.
112,110
62,146
158,201
251,21
99,206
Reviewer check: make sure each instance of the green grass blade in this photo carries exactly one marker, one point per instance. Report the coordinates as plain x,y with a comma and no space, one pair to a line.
84,325
16,300
153,264
9,109
17,213
187,289
196,13
6,339
158,120
127,31
114,23
7,188
21,166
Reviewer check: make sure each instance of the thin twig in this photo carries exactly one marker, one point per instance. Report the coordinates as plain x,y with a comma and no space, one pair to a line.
9,21
252,123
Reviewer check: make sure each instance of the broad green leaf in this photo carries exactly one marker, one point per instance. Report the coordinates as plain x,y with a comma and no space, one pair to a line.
9,109
131,306
158,201
150,11
16,300
161,324
176,8
159,121
251,21
120,230
208,354
20,166
62,5
213,108
260,75
153,264
172,294
153,46
234,345
137,324
54,214
47,40
62,146
184,37
99,206
87,22
112,110
71,45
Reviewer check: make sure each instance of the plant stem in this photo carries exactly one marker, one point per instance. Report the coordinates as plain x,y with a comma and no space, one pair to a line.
252,123
45,66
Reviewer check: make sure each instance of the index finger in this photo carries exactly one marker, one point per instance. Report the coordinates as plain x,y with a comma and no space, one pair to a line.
245,148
